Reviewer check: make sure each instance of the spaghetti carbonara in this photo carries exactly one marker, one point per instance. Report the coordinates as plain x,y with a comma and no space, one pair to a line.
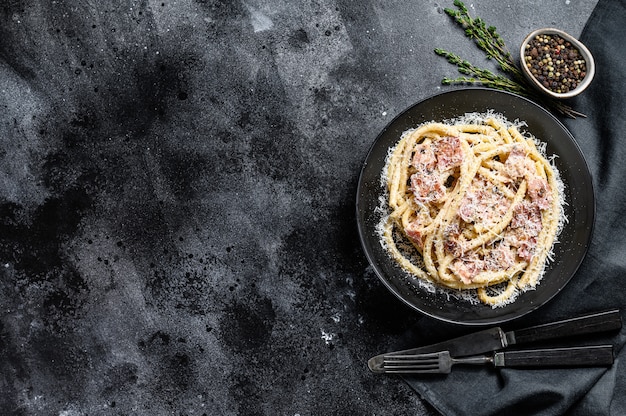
471,205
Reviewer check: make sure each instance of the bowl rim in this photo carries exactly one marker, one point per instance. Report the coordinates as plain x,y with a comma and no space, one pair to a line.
587,56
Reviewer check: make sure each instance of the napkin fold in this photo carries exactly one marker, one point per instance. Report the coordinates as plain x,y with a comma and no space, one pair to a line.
600,282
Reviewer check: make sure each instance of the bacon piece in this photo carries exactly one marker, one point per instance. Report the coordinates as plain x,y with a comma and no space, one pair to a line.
500,257
452,240
517,165
527,248
427,187
524,229
468,267
527,217
539,192
415,232
424,159
449,153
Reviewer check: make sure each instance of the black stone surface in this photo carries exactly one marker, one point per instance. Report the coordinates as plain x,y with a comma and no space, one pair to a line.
177,187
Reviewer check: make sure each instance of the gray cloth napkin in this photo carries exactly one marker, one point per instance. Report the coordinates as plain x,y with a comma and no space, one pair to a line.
600,282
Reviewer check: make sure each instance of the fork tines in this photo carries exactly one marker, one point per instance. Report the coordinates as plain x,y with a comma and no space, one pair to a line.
421,363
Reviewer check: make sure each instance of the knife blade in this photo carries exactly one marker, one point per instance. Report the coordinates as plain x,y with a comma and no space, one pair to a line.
493,339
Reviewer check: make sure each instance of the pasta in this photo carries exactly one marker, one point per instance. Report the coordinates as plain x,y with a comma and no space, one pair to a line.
471,205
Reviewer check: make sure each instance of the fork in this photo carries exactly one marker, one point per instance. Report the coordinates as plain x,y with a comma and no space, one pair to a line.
441,362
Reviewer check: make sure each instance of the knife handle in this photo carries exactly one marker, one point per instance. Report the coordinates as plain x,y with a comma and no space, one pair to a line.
591,356
586,324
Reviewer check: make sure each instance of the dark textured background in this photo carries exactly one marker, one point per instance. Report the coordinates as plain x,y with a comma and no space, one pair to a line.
177,185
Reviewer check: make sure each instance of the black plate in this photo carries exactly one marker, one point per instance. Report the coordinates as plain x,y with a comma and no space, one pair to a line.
579,209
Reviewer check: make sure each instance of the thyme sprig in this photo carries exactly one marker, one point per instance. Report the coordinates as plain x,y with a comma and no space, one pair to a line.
474,74
489,41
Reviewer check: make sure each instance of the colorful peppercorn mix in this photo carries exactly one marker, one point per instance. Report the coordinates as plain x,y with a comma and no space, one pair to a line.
555,63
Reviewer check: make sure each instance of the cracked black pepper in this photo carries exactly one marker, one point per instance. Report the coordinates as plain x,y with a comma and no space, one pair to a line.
555,63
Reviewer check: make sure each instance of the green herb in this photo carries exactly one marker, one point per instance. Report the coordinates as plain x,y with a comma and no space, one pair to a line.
489,41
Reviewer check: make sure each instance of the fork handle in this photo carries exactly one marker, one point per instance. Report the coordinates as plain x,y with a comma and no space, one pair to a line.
588,356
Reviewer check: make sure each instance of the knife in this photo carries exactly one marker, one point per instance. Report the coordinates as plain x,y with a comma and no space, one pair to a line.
493,339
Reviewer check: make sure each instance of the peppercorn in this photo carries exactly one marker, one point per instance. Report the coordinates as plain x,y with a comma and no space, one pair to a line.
555,62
